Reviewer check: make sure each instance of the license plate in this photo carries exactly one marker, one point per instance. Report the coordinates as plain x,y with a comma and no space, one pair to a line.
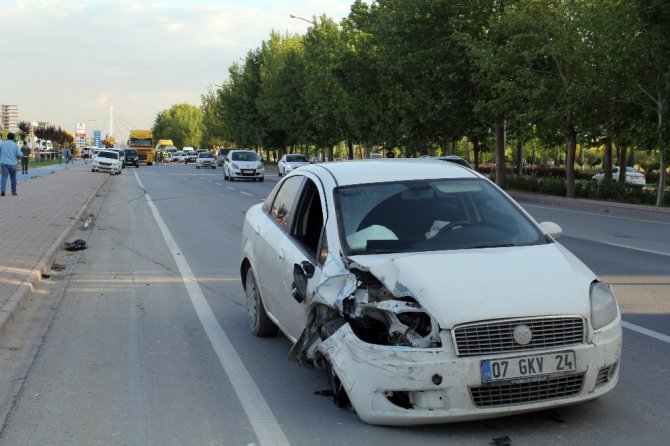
528,368
248,172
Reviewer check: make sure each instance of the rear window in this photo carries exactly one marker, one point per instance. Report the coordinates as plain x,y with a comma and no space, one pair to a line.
205,155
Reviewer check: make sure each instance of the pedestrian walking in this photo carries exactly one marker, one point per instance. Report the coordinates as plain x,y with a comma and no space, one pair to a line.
60,155
37,153
9,156
25,156
68,155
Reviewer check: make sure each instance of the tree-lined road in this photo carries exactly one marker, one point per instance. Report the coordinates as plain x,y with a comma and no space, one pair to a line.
139,352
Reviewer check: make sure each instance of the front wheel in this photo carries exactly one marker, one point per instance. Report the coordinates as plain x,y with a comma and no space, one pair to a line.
259,322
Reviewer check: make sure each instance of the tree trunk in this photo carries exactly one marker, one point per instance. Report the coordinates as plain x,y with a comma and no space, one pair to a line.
661,181
501,172
570,159
350,149
622,167
661,171
519,156
475,149
607,163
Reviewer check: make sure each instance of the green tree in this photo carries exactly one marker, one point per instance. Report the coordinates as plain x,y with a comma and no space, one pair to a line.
182,123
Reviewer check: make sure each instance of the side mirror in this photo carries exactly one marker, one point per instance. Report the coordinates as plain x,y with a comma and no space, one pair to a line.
551,229
301,274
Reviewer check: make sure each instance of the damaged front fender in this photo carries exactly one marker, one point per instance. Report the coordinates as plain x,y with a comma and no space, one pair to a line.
350,294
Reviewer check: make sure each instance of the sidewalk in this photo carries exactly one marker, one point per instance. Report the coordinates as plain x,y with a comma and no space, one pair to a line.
50,202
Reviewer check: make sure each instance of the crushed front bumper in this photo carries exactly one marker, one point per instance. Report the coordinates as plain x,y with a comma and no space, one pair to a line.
395,385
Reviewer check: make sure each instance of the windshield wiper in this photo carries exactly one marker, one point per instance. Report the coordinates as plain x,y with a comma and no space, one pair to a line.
493,245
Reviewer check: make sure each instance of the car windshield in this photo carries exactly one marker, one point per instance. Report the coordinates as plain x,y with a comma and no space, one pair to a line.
111,155
245,156
297,158
131,152
205,155
430,215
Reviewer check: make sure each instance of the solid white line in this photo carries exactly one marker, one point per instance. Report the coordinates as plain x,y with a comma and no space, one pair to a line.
265,425
231,188
246,193
219,184
524,204
645,331
636,249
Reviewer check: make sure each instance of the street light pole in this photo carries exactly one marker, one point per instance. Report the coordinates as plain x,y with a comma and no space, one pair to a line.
311,22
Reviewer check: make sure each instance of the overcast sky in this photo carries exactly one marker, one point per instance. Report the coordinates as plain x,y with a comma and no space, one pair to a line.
68,61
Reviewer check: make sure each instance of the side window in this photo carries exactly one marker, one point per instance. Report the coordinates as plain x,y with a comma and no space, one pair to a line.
309,219
284,203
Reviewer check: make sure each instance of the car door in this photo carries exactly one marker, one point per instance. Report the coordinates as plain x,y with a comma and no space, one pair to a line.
292,258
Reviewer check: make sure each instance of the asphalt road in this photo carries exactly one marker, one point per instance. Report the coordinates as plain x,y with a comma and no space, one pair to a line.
149,342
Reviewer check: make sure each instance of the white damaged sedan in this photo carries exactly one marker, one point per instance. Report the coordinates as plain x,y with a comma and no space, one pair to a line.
426,293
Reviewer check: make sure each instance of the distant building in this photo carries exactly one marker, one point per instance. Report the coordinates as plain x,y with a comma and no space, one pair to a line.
9,117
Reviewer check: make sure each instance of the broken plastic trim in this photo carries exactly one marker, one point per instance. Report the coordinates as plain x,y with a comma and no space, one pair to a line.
376,315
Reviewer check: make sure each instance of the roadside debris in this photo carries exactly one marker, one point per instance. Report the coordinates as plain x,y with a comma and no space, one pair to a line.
76,245
502,441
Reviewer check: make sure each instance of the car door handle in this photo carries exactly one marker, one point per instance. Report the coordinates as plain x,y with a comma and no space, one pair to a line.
282,254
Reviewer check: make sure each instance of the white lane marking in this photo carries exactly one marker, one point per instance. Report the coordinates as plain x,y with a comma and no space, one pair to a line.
524,204
649,251
219,184
645,331
231,188
265,425
246,193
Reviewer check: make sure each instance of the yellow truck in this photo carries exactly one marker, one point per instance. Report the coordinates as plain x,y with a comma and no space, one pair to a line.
142,141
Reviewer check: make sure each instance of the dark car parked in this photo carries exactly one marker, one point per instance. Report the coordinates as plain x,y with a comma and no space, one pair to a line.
190,156
131,158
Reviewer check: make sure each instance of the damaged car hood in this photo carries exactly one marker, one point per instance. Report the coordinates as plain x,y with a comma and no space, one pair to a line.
548,280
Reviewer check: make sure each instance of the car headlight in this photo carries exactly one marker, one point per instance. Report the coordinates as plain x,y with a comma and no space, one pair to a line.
604,308
260,166
234,166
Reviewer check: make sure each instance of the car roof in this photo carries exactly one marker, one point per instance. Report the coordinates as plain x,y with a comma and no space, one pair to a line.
387,170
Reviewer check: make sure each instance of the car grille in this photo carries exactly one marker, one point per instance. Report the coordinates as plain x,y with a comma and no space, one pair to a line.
510,394
498,336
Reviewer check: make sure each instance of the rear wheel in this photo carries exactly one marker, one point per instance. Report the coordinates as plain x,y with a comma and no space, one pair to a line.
259,322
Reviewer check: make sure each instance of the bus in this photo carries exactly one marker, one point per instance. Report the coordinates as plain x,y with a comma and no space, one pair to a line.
142,141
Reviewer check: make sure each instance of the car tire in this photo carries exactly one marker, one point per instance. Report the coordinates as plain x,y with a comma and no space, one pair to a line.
197,167
261,179
231,178
259,322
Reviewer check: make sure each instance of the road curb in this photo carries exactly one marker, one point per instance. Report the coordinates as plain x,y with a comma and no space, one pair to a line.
17,301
